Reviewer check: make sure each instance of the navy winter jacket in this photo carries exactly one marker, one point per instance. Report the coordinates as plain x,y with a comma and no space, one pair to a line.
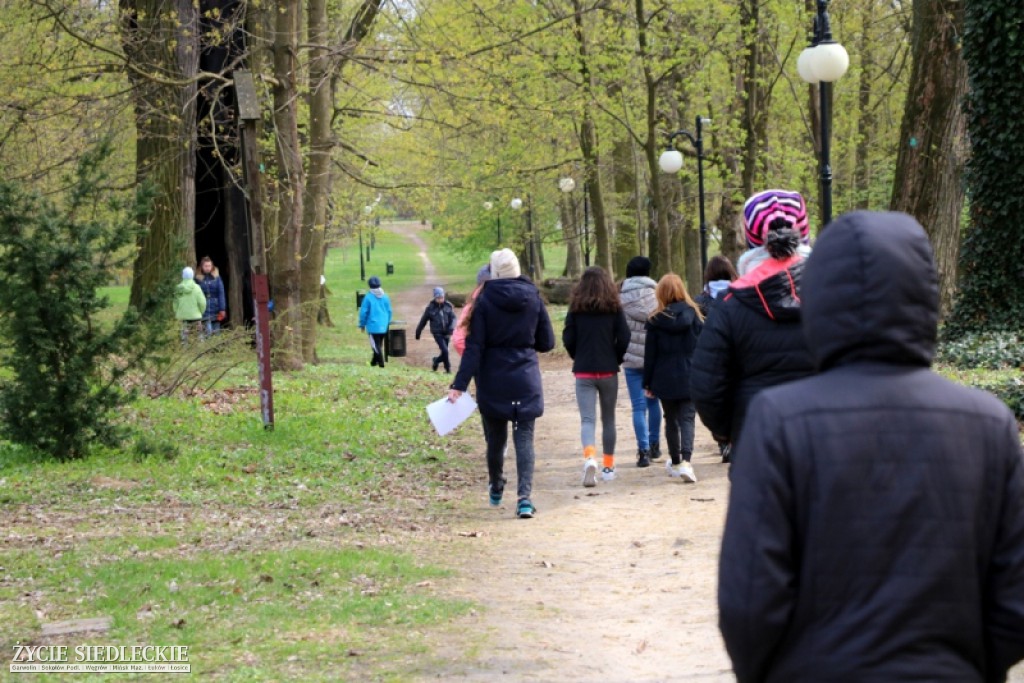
596,342
213,290
508,327
751,340
875,529
668,351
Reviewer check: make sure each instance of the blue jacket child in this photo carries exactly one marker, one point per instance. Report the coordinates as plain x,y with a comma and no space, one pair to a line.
375,317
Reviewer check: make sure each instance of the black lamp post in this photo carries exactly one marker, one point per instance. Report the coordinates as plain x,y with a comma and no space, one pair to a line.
671,161
362,267
823,63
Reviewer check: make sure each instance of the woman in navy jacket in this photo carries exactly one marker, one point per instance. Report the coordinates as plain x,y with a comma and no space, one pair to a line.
509,325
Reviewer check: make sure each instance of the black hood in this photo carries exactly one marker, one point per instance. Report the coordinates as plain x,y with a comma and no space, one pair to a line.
510,294
777,296
871,293
676,317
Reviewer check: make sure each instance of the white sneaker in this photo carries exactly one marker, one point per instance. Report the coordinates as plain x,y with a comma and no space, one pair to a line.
686,472
608,474
589,473
673,470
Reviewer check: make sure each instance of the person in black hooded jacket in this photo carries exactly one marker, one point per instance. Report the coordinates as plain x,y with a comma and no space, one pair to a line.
752,338
508,326
672,333
875,529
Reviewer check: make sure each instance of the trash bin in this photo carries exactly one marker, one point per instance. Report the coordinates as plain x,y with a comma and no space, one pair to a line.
396,339
360,294
390,268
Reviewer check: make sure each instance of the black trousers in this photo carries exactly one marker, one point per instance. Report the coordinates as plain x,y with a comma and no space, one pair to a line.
377,341
442,343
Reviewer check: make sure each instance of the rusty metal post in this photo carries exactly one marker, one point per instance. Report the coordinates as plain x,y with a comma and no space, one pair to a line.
248,115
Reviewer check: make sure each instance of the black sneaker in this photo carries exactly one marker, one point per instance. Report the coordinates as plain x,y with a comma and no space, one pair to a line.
525,509
655,451
643,458
726,450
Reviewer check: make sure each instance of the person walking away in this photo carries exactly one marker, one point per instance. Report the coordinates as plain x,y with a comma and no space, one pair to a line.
638,302
462,324
212,285
875,529
375,318
672,333
596,335
718,275
189,304
441,316
752,339
508,327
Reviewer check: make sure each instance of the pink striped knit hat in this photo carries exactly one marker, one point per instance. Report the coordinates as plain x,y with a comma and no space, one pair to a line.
764,207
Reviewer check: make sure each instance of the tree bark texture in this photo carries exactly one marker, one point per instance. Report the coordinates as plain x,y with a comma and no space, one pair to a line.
287,245
933,138
161,37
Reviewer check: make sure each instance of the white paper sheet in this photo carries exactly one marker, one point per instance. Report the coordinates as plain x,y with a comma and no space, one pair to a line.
446,416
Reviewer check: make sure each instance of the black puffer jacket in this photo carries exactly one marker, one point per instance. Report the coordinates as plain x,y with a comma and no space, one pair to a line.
668,351
876,521
509,325
751,340
441,317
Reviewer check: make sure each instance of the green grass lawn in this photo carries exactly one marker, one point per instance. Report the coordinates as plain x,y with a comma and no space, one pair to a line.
290,554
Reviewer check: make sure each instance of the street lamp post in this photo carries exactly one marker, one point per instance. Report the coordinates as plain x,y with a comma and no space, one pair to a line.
822,63
567,185
487,207
671,161
362,267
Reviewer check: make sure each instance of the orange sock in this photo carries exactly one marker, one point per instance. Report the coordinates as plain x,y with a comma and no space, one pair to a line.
589,452
609,461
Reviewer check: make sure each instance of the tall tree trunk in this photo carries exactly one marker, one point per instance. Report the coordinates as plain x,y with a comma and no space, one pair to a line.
933,145
589,150
627,242
866,123
287,248
162,38
318,188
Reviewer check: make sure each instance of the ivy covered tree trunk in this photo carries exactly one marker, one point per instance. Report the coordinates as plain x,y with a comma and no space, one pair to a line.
990,295
161,42
933,145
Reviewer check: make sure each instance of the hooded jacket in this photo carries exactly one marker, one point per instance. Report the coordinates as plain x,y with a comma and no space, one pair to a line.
638,301
509,326
375,312
875,529
213,289
596,342
751,340
189,302
671,338
441,317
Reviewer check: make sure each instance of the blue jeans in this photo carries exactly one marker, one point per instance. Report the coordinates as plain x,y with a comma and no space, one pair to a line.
646,411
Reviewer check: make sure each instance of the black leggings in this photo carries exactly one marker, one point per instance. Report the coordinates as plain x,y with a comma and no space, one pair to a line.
679,419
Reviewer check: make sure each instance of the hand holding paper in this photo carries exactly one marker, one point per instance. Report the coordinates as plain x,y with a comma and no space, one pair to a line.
446,415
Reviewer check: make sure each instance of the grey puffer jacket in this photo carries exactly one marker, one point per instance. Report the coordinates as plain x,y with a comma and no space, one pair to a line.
638,301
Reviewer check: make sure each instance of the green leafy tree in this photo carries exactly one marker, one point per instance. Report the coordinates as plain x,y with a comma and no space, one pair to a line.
990,296
67,362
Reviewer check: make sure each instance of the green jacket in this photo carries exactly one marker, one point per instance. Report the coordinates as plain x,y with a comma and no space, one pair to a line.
189,302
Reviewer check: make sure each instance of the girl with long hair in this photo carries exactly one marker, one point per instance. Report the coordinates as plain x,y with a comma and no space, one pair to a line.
596,336
672,333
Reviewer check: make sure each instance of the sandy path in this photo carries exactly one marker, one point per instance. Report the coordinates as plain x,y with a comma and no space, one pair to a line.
614,583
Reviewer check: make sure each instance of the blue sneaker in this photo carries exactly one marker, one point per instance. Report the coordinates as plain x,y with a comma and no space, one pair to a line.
525,509
494,497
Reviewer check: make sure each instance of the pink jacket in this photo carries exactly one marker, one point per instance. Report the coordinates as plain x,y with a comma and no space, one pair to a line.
459,337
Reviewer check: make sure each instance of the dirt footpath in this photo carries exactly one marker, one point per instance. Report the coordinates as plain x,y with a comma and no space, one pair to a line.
613,583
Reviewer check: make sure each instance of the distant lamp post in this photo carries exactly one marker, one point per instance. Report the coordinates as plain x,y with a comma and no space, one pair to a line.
487,207
567,185
362,267
671,161
823,63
